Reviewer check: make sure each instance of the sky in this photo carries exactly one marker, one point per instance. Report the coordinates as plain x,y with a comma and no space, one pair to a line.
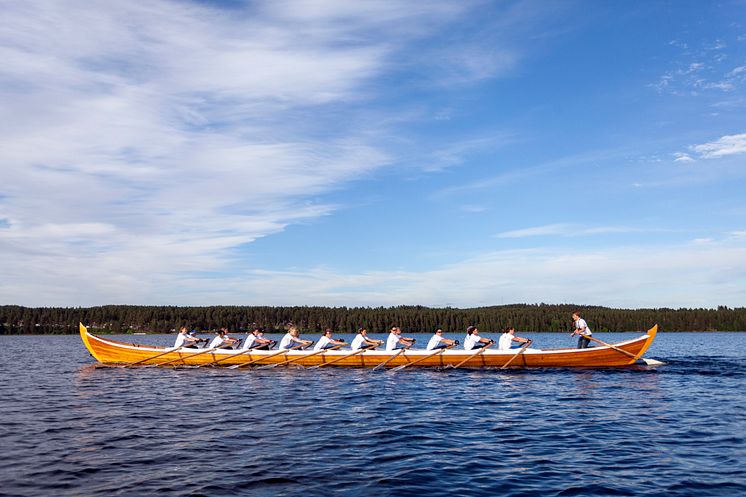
369,153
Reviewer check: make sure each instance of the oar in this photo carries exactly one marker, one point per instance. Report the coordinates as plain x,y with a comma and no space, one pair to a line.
182,358
520,351
249,363
387,360
649,362
338,359
589,337
270,366
154,357
473,355
247,351
439,351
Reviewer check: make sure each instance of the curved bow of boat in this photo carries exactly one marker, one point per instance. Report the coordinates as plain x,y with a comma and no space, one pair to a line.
86,337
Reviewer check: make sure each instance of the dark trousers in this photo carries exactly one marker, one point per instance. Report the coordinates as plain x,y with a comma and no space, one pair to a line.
583,342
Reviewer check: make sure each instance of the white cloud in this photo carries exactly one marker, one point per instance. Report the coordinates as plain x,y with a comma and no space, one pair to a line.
550,229
145,141
682,157
568,230
695,275
726,145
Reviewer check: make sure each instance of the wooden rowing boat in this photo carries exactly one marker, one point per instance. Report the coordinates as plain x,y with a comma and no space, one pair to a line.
108,351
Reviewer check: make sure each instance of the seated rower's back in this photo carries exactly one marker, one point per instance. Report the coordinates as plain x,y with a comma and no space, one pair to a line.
292,340
362,341
255,340
473,340
222,340
396,341
327,342
507,339
184,339
438,341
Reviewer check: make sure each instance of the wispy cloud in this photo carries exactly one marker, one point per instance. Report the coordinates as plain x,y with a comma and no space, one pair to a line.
143,142
550,229
682,157
723,146
568,230
699,70
689,274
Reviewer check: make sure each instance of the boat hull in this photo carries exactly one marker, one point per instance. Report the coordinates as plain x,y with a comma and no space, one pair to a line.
113,352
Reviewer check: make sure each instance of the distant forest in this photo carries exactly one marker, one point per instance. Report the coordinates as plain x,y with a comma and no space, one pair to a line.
16,320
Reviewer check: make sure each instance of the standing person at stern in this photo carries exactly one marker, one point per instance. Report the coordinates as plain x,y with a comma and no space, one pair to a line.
581,329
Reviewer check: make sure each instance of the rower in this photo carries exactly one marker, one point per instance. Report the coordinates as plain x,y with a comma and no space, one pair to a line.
186,340
198,340
581,328
255,340
361,341
327,342
396,341
473,340
292,340
222,340
439,342
507,338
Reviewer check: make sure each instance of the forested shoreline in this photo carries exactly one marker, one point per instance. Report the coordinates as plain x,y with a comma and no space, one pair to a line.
16,320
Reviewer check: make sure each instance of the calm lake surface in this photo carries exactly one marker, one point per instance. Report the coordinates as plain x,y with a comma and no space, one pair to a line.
70,428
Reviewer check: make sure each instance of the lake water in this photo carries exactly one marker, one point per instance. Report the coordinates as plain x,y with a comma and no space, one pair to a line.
71,429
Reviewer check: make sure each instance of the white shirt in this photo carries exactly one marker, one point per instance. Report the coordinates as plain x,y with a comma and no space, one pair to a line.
180,339
470,341
216,342
434,342
323,342
580,324
357,342
505,342
249,342
287,342
392,341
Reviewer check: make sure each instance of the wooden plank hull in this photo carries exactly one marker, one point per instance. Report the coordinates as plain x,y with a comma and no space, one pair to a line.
109,351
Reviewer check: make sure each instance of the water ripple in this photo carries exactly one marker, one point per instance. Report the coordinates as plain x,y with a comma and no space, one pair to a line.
71,428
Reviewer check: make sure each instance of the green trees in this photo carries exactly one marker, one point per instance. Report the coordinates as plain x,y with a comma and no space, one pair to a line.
412,319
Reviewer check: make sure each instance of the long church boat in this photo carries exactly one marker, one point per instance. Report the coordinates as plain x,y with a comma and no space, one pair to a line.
625,353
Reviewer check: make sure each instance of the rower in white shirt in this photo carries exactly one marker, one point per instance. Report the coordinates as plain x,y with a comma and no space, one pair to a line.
507,338
439,342
396,341
292,340
327,342
222,340
184,339
361,341
255,340
473,340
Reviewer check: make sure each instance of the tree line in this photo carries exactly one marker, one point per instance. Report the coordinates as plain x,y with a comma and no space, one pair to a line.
411,319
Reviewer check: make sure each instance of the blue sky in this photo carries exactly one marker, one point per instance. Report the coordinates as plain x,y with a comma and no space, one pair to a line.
373,153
